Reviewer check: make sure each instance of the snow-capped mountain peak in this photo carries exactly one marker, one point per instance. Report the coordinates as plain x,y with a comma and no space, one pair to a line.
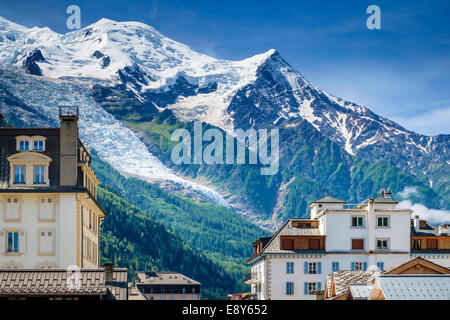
261,91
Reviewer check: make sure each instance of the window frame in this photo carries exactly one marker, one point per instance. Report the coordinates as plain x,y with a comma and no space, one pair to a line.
290,289
363,244
290,269
312,287
357,217
43,173
312,268
46,231
378,217
15,174
16,242
388,244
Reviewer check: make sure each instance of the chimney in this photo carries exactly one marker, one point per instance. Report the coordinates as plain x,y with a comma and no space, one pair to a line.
443,229
388,194
108,271
416,224
68,147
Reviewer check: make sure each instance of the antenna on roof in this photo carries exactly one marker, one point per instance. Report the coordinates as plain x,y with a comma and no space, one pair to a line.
69,111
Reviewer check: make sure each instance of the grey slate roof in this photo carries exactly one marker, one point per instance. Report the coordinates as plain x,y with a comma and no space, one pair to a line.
361,291
429,230
52,282
329,199
415,287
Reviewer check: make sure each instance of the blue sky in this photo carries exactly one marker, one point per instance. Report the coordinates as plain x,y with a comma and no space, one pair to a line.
401,71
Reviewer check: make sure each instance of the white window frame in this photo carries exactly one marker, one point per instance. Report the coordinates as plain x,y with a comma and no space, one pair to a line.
312,287
24,174
358,266
42,174
387,243
312,268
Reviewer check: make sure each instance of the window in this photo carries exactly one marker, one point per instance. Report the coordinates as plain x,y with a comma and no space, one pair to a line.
46,211
19,174
382,222
12,209
417,244
357,222
39,174
38,145
13,242
311,287
289,288
380,266
357,244
24,145
335,266
314,244
46,242
432,244
382,244
287,244
289,267
312,268
359,266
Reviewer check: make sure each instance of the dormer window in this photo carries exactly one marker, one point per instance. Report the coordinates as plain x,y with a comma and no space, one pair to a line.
24,145
34,143
38,145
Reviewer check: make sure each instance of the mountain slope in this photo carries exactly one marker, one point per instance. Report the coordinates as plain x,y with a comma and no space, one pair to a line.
131,238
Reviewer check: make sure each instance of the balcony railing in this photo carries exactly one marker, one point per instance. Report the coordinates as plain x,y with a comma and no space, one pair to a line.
252,277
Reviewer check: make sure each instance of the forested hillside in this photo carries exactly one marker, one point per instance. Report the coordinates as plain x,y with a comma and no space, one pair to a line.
215,238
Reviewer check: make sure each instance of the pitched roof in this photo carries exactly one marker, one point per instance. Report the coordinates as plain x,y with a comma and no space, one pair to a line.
344,278
164,278
273,246
428,230
415,287
329,199
361,291
53,282
396,269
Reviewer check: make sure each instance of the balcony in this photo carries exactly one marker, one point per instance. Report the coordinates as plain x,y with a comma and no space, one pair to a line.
252,278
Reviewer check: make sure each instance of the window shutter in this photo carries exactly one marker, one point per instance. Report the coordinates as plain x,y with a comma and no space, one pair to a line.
306,288
337,266
305,265
365,266
353,266
2,242
319,286
319,267
22,242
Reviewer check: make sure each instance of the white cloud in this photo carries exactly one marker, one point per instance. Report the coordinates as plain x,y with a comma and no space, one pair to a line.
435,216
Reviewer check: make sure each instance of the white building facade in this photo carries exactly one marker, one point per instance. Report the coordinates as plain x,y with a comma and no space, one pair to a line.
49,215
294,262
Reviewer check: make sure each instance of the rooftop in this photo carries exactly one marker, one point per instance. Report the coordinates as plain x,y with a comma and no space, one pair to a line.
415,287
53,282
164,278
